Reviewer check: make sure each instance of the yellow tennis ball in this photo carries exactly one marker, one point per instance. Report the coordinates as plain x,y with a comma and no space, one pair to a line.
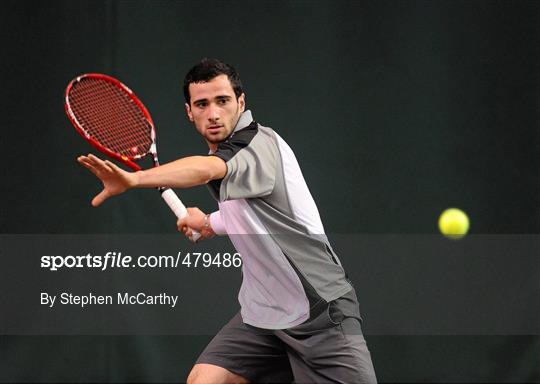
453,223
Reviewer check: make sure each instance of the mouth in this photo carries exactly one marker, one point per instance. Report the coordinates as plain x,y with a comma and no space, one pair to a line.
214,128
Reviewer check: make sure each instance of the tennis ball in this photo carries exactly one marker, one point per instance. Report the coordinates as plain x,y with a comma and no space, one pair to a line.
453,223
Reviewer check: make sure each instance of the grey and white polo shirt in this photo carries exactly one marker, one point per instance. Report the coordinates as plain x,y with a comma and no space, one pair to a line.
266,209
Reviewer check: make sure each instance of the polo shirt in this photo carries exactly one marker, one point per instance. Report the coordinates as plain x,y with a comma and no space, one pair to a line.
265,207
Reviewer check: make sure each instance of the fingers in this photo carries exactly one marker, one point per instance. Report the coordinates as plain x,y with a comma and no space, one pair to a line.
183,227
96,165
87,165
100,198
181,223
184,223
112,166
100,165
193,221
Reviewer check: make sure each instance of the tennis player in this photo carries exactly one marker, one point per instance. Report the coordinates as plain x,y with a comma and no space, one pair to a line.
299,319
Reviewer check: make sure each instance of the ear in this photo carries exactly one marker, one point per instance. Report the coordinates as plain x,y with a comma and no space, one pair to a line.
242,102
188,112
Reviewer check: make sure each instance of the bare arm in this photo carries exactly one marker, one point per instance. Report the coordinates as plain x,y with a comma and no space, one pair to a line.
182,173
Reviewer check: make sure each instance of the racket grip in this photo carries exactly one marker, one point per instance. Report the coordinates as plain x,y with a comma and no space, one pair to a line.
178,208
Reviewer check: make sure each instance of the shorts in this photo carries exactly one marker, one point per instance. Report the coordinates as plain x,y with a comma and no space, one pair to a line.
327,348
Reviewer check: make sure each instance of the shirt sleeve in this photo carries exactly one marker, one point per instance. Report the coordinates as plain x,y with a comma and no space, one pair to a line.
217,223
251,156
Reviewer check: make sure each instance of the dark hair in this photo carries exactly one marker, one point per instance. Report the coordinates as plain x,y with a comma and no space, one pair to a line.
206,70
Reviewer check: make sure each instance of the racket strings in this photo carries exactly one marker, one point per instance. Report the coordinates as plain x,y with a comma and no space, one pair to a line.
110,116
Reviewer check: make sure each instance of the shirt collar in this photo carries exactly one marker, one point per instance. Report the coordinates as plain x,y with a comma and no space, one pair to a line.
245,119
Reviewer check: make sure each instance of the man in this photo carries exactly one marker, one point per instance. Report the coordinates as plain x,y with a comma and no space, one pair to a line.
299,317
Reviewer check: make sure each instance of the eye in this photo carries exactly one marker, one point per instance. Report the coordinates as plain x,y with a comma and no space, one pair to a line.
201,104
222,101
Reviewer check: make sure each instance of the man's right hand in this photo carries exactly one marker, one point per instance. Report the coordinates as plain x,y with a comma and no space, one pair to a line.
198,221
115,180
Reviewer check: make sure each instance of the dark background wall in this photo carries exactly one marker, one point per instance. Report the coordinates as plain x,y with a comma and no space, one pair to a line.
395,109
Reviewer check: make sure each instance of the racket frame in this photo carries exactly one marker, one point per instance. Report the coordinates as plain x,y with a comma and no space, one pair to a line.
167,193
128,160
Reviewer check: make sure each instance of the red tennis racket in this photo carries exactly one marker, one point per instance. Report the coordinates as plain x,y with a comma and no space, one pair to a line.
113,119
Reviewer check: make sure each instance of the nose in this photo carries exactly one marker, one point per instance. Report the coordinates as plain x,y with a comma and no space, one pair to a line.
213,113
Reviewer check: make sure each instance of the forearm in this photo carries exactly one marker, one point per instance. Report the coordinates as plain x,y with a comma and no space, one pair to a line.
182,173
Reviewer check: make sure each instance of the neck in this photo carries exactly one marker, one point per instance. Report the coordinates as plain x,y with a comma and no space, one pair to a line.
212,146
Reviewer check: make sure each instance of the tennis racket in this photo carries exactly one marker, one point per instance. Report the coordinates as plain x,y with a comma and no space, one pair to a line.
113,119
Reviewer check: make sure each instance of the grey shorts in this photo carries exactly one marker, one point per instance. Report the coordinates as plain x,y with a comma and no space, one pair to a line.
327,348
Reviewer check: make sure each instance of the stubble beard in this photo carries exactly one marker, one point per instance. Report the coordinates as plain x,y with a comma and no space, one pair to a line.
214,140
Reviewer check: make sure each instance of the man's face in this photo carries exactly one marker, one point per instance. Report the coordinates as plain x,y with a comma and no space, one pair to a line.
214,109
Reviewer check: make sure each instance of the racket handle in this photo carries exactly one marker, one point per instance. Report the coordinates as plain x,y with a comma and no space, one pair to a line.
178,208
